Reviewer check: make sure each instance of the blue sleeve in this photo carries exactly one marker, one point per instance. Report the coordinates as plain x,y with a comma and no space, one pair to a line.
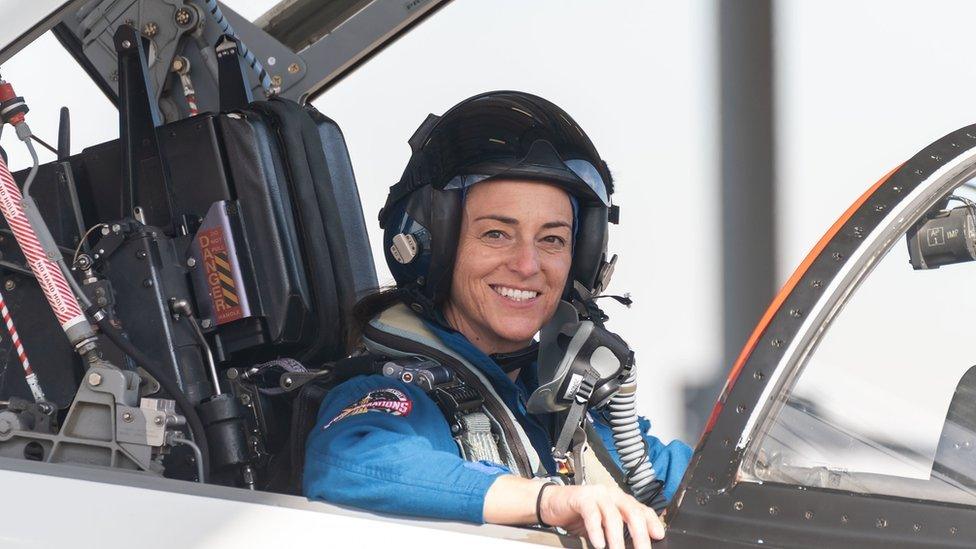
383,445
669,461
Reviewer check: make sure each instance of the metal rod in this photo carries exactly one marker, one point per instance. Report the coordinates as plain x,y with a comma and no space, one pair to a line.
34,163
196,452
29,376
44,144
206,351
39,248
182,307
69,182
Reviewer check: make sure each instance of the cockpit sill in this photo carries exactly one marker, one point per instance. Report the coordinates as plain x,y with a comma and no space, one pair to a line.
147,498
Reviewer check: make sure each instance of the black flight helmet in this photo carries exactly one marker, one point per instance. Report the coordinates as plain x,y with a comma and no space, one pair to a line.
494,135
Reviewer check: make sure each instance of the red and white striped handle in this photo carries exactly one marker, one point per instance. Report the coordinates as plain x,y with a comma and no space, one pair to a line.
35,386
62,301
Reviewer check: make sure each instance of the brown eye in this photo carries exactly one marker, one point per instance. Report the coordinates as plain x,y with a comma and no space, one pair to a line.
554,240
494,235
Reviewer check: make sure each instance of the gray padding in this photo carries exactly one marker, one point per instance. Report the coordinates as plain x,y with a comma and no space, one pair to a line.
346,194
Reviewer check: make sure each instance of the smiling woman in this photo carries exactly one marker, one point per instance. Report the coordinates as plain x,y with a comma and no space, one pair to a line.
514,255
500,220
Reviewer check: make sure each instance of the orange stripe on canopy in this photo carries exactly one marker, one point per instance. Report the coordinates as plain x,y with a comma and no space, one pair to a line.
786,291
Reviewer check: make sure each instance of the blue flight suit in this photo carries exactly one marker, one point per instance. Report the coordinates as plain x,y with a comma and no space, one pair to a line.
384,445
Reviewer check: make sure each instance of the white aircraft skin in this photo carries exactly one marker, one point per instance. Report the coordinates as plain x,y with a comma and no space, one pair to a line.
80,507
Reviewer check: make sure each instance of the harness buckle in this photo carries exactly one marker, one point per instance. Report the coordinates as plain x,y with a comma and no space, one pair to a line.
455,401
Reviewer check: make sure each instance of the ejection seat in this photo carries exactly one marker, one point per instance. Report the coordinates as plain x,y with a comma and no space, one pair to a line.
252,215
293,175
274,180
306,232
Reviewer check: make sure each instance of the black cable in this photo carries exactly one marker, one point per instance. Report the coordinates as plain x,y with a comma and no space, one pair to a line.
192,419
44,144
633,470
967,202
624,300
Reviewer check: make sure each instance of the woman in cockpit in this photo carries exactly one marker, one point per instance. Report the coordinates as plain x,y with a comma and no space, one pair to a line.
500,216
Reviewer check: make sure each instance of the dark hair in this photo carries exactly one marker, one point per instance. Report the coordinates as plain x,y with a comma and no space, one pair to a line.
367,308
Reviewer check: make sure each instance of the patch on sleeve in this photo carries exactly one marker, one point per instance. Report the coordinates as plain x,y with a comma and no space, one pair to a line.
390,401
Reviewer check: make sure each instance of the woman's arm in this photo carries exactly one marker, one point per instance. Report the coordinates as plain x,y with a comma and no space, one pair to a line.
597,512
384,446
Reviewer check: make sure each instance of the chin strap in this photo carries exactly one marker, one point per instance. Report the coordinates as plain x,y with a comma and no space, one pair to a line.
516,360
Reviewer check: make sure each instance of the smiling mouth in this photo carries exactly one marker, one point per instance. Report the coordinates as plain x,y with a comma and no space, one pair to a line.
515,294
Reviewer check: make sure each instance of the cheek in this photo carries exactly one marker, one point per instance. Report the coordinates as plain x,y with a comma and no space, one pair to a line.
470,268
557,269
557,272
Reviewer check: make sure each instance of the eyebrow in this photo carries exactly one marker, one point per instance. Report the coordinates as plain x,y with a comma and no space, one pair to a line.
556,224
513,221
500,219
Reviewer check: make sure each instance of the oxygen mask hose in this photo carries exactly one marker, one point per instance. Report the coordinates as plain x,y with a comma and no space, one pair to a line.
631,447
584,365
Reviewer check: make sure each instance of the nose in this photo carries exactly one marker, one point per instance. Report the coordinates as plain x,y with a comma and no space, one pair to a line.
525,259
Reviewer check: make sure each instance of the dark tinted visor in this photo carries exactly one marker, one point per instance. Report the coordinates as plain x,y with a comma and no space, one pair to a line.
579,177
513,136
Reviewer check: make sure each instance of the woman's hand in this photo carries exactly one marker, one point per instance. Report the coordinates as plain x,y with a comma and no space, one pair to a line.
599,513
596,512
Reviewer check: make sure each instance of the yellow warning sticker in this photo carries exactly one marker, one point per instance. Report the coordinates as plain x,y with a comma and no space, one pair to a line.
220,275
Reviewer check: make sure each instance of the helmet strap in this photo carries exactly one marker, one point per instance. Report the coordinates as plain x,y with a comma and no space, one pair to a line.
584,302
516,360
415,298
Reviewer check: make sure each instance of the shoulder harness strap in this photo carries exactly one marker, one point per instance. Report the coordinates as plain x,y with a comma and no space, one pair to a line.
397,332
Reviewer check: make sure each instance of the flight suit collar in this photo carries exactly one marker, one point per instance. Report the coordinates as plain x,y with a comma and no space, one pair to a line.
401,322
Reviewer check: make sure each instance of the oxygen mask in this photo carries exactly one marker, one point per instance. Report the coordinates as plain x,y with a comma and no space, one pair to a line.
581,365
580,362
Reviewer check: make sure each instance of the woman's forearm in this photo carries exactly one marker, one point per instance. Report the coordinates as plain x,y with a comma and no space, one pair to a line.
596,511
511,500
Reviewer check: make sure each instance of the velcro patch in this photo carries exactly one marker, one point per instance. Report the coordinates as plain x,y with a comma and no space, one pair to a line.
390,401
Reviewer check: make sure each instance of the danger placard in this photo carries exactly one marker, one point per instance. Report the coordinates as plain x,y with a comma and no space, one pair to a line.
220,276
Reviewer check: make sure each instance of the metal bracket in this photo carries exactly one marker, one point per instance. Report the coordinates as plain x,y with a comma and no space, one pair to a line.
104,426
332,43
292,381
138,118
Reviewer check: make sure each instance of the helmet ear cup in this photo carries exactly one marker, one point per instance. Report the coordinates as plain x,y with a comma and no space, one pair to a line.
433,218
591,250
445,226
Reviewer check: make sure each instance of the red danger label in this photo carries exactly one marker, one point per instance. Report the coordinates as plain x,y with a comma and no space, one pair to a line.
220,277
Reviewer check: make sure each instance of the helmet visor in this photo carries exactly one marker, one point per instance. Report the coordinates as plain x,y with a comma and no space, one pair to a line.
542,163
507,135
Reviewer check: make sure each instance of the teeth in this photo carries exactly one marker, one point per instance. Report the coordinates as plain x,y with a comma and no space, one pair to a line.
512,293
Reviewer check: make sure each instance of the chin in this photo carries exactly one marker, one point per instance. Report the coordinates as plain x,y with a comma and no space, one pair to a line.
516,332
